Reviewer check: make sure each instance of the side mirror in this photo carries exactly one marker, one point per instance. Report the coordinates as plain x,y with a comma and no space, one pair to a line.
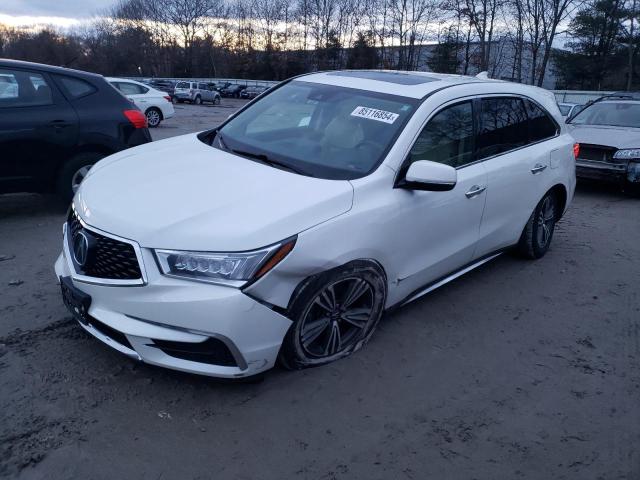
430,176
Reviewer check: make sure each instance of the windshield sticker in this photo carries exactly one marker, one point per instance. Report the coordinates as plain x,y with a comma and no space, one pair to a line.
374,114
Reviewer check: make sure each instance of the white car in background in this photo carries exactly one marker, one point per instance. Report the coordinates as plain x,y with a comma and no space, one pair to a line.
156,105
287,232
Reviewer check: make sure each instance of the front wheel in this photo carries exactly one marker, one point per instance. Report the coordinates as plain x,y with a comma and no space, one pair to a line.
334,314
216,101
538,232
197,101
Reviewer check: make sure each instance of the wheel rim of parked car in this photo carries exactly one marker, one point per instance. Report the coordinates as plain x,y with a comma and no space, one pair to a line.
337,317
153,118
546,221
78,177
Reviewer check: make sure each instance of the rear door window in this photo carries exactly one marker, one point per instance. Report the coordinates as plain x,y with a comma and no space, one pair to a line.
503,126
23,89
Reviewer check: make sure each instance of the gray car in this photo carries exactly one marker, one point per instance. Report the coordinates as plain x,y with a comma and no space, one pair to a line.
608,133
196,92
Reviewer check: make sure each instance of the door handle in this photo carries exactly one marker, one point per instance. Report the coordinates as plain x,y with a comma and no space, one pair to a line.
538,168
475,191
58,124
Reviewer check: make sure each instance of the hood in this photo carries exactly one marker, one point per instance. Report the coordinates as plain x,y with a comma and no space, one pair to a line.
617,137
183,194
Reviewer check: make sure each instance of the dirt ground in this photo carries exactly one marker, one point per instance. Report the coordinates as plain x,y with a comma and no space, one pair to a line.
519,369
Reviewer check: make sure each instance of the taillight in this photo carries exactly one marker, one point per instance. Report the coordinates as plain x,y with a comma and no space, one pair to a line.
576,150
137,118
167,98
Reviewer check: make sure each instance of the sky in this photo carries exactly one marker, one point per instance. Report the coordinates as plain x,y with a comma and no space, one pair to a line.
62,13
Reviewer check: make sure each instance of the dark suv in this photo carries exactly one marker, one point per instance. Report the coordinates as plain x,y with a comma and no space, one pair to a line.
55,123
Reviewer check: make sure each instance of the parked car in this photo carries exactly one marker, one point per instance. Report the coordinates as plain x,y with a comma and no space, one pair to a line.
569,109
233,91
196,92
608,131
55,123
289,230
252,92
156,105
166,86
221,85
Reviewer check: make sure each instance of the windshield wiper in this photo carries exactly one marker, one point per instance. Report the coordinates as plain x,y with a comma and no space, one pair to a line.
269,161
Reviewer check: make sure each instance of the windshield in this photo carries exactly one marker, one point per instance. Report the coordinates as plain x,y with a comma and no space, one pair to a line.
319,130
618,114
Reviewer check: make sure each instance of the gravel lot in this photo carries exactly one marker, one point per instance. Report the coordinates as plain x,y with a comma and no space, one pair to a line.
517,370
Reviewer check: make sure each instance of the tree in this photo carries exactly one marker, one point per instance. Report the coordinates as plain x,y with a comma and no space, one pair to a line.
363,53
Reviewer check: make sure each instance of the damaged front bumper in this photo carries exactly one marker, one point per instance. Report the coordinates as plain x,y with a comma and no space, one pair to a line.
621,172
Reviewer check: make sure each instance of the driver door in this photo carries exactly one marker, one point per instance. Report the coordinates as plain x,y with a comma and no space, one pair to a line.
440,230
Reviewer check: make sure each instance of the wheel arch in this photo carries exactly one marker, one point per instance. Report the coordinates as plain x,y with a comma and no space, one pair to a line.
560,192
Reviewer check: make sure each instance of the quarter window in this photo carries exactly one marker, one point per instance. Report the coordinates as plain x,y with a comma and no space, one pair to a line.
503,126
541,126
23,89
76,87
447,138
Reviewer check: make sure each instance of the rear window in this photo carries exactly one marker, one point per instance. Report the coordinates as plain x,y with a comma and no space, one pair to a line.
75,87
183,85
130,88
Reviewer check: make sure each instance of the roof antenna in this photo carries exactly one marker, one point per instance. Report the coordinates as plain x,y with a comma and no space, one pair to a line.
483,75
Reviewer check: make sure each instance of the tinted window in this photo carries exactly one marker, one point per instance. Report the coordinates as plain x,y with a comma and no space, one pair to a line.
447,138
23,89
183,85
541,125
202,86
75,86
503,126
320,130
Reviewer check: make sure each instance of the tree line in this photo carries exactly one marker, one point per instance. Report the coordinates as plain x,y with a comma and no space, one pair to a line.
276,39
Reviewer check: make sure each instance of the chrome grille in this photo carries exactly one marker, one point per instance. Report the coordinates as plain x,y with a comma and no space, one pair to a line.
109,258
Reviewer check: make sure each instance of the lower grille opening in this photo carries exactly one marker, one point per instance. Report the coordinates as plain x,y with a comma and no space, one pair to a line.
211,351
112,333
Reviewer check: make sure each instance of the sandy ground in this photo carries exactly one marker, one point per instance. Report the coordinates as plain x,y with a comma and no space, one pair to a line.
518,370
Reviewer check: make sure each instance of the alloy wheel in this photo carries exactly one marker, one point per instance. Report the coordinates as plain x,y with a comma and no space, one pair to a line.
546,221
337,317
153,118
78,177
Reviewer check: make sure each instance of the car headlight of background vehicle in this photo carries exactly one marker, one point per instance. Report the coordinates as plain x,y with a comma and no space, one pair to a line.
628,153
233,268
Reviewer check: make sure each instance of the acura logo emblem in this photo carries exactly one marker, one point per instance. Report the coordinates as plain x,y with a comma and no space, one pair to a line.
80,248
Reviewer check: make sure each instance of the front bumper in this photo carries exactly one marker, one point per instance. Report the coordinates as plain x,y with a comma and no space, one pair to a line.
628,171
141,320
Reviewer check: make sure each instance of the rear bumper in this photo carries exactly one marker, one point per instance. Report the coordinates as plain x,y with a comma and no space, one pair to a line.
167,315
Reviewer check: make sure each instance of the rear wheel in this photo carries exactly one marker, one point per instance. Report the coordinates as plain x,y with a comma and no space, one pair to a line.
334,314
538,232
197,100
216,100
154,117
73,173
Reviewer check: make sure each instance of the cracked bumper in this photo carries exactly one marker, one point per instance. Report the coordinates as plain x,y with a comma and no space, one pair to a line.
173,310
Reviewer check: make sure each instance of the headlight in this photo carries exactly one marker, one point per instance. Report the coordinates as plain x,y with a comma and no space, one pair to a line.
627,153
234,269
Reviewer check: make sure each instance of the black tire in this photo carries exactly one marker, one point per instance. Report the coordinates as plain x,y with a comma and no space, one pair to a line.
154,117
318,336
538,232
216,101
197,100
68,174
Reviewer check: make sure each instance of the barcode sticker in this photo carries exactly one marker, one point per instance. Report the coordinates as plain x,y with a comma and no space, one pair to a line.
375,114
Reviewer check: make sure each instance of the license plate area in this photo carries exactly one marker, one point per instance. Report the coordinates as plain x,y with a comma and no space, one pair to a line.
76,301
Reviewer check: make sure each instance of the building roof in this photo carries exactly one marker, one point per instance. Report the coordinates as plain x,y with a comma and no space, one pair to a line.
407,84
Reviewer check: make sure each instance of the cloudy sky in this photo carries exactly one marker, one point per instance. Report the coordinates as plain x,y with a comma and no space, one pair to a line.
57,12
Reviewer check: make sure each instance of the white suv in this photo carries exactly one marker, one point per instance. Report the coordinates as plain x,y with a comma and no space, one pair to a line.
288,231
